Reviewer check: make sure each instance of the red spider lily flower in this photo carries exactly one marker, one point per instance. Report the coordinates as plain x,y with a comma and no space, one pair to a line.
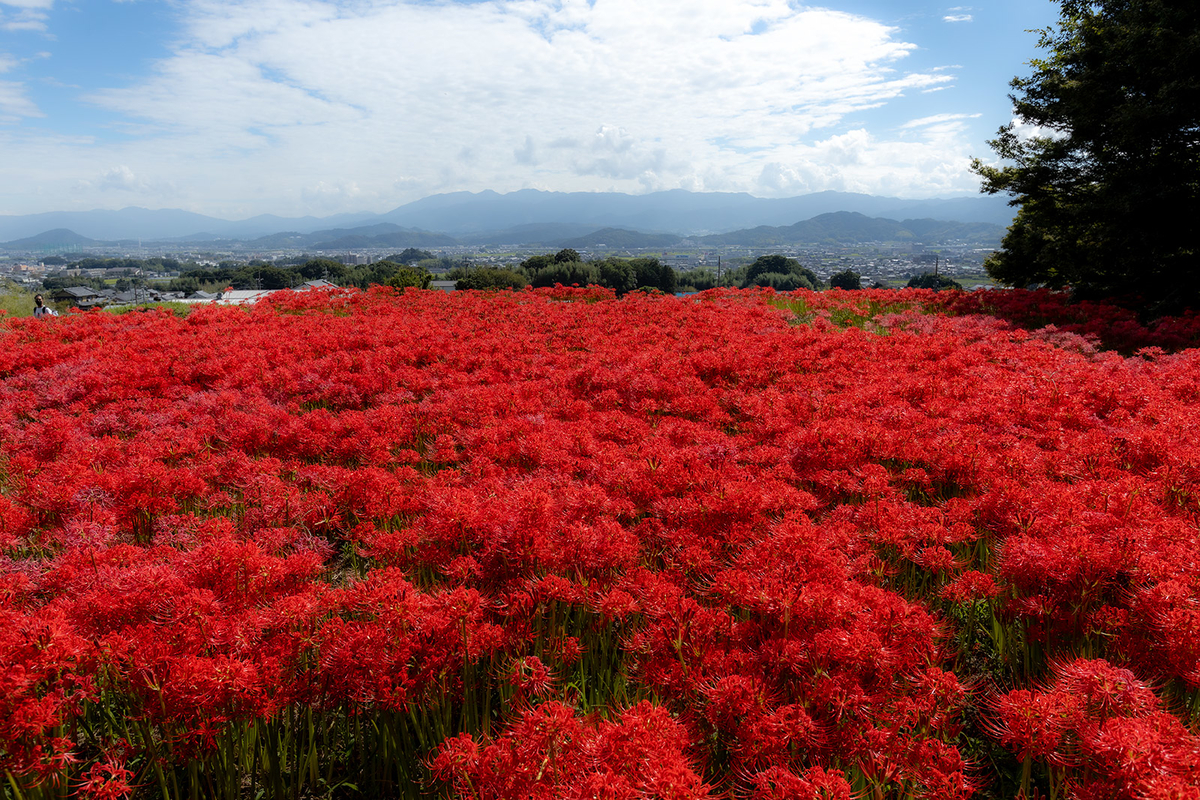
106,781
531,677
1034,724
969,587
778,783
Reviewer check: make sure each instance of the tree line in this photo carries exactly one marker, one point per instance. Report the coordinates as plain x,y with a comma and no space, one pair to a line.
263,275
413,267
624,275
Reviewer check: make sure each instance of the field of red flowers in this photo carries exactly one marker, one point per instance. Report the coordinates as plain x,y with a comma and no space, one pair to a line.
556,544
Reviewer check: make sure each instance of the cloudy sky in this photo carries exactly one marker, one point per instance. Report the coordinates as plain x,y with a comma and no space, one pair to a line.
240,107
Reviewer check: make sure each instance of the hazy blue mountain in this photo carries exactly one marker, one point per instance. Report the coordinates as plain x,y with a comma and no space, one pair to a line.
480,216
269,223
165,224
936,230
538,233
287,240
128,223
383,234
617,238
398,239
48,240
677,211
849,227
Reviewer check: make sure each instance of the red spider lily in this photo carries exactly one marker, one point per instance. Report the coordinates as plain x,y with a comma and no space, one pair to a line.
777,783
325,528
970,586
106,782
550,752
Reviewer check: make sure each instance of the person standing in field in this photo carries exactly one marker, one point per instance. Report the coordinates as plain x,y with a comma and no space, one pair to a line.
40,309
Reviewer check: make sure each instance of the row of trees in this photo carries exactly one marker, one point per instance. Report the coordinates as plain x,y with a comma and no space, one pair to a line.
567,267
264,275
627,275
416,267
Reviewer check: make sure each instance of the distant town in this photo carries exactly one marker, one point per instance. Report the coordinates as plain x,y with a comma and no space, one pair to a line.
877,264
882,264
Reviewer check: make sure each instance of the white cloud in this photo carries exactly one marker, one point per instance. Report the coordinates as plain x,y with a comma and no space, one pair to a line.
1027,130
937,119
287,104
121,178
24,15
13,101
120,181
861,162
14,104
957,18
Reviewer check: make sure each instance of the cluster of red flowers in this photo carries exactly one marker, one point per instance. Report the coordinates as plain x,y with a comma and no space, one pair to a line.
1115,327
551,543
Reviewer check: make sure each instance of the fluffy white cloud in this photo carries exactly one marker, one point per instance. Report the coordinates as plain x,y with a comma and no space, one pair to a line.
24,15
861,162
122,178
298,105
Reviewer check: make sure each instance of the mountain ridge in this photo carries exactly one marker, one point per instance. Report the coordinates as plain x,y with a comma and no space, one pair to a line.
472,214
838,227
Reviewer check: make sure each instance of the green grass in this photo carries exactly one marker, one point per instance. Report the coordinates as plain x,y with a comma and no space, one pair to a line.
14,302
843,317
178,309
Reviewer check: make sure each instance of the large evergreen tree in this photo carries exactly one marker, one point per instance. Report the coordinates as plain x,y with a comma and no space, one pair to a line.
1109,186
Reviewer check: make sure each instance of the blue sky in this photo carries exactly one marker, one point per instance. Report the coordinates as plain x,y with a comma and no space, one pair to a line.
322,106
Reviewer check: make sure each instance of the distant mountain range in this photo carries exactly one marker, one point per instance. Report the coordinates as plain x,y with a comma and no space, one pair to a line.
848,227
477,218
383,234
839,227
677,211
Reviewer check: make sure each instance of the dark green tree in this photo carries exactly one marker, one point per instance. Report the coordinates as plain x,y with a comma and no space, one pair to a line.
566,255
777,266
323,269
491,278
534,264
268,277
617,274
1115,166
405,276
566,273
653,274
698,279
846,279
927,280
